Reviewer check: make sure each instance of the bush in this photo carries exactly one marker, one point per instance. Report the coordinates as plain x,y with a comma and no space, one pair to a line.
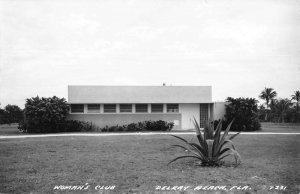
66,126
140,126
245,113
158,125
46,115
132,127
77,126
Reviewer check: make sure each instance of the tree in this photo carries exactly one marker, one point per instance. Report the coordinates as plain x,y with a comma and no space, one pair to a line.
244,111
43,115
296,97
2,116
268,94
14,113
11,114
281,108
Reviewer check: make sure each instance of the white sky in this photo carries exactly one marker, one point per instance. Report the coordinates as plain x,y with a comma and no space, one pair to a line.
236,46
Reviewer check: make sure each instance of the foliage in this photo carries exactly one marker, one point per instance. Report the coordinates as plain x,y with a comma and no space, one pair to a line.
77,126
296,97
114,128
158,125
280,109
2,116
141,126
268,94
45,115
212,147
245,113
66,126
11,114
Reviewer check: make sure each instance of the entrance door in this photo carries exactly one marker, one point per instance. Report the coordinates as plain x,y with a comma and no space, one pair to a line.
203,114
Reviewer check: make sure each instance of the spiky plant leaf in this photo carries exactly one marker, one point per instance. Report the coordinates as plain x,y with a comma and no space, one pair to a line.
212,148
199,135
234,153
217,138
183,157
233,136
209,130
200,150
210,143
197,127
180,138
189,150
225,134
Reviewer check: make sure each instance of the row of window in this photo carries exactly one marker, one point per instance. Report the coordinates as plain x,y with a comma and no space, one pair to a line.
124,108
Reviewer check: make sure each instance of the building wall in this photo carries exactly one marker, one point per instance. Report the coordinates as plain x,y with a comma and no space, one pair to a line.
110,119
183,119
188,112
218,110
139,94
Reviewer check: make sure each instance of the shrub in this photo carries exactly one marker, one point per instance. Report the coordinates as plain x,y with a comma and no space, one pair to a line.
66,126
77,126
158,125
140,126
45,115
245,113
132,127
212,147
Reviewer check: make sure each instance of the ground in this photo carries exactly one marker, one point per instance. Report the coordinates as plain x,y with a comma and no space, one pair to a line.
138,164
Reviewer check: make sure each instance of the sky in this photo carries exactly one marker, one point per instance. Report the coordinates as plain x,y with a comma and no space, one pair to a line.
236,46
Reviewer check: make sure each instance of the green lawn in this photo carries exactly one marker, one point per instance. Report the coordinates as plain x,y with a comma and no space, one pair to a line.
137,164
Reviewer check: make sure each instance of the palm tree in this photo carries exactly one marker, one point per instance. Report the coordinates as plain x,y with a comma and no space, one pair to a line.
296,96
268,94
281,108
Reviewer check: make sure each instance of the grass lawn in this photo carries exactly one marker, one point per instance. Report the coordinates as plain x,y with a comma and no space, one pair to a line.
11,129
137,164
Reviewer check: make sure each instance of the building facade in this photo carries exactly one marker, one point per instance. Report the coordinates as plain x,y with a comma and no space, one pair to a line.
112,105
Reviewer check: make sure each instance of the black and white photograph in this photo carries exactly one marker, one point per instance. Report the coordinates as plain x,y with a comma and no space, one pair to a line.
150,96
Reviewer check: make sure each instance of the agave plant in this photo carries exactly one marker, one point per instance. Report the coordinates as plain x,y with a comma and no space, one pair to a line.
212,147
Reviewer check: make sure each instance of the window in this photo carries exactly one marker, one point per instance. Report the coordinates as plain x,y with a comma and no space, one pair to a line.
172,108
141,108
93,108
77,108
157,108
110,108
125,107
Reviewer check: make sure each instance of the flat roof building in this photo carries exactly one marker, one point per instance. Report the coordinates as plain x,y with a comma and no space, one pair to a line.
112,105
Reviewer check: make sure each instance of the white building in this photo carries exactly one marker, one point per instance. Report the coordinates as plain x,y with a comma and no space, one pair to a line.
112,105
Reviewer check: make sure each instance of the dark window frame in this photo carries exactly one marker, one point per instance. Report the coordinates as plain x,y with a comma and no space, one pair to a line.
93,110
159,107
141,109
125,110
77,108
171,109
106,110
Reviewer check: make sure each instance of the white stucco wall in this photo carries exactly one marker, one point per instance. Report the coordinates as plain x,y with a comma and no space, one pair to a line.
219,110
188,112
139,94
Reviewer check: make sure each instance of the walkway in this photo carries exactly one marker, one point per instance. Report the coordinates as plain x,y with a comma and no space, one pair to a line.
119,134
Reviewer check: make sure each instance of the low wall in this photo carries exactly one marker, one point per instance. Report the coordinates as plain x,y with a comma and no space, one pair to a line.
102,120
